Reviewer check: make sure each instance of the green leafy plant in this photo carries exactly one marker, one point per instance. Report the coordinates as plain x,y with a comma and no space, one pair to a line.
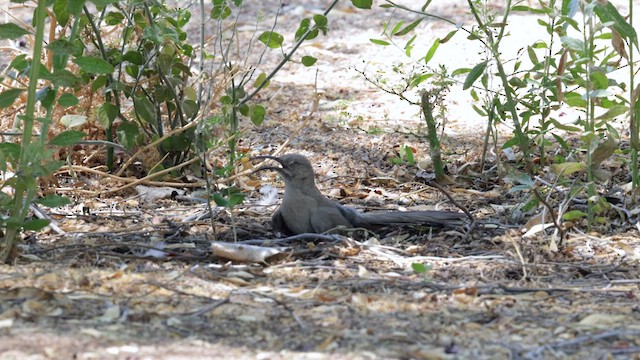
31,160
153,86
565,70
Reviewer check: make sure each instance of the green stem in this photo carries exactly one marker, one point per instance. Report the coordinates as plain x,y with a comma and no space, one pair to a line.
426,103
523,141
24,193
635,120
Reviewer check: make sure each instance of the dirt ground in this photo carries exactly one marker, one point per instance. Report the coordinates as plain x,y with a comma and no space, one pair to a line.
103,290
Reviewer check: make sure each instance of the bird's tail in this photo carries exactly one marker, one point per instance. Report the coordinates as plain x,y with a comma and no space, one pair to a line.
427,217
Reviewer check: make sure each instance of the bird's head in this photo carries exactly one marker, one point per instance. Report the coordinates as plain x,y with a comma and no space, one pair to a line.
293,167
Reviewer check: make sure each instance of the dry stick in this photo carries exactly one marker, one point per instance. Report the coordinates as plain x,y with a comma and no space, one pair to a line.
144,148
145,180
464,209
151,176
40,214
523,264
453,201
552,212
131,182
207,308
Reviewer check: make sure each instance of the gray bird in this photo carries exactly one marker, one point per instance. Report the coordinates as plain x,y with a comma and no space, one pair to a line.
305,210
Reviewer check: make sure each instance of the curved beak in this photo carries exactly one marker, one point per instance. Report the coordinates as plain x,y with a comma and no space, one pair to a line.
284,171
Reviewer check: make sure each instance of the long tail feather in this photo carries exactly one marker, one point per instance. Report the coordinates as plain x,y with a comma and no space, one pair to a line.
433,217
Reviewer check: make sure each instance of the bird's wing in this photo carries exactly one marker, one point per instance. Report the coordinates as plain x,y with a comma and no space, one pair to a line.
325,218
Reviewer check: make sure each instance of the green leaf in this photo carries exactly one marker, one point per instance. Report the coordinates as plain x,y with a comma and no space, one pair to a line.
60,10
98,82
362,4
516,82
563,143
607,12
8,97
308,60
599,80
419,79
11,31
614,111
574,215
521,8
532,55
106,113
68,99
480,111
419,268
10,150
260,80
74,6
189,107
128,134
94,65
408,28
177,142
572,43
302,29
63,46
380,42
20,63
564,127
320,20
397,27
190,93
408,155
67,138
134,57
235,199
244,109
219,200
540,45
220,12
567,168
448,37
474,74
432,51
35,224
46,96
257,113
272,39
144,109
71,121
574,99
460,71
114,18
53,201
62,78
409,45
510,143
